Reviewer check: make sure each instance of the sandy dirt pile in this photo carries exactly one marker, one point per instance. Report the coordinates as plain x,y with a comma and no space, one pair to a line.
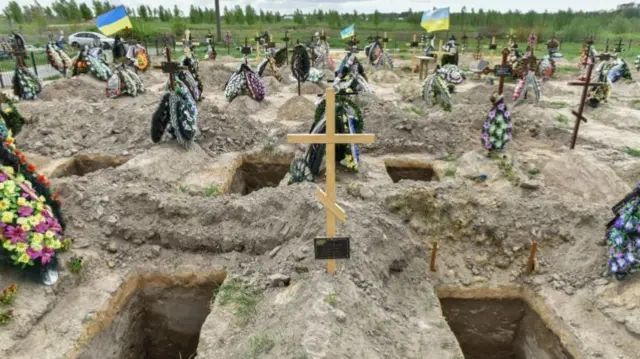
167,218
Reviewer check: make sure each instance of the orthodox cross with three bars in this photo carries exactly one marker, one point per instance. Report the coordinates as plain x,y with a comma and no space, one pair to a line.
330,139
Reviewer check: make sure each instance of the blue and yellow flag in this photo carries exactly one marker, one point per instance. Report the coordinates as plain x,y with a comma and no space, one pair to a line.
113,21
348,31
435,20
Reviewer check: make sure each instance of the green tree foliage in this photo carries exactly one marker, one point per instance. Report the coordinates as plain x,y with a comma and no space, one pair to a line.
620,25
97,7
85,12
298,17
176,11
278,17
376,18
238,15
14,12
227,16
142,12
250,15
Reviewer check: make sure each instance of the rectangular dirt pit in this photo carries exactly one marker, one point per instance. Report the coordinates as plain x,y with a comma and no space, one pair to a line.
501,329
158,319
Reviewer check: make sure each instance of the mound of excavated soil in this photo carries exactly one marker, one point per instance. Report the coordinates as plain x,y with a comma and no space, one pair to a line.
82,88
245,105
384,76
409,91
296,108
214,76
306,88
272,84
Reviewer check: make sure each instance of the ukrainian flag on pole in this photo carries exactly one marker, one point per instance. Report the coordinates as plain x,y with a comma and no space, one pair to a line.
348,31
113,21
435,20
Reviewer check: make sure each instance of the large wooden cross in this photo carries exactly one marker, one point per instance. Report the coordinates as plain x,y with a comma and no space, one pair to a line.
585,87
502,70
169,67
330,139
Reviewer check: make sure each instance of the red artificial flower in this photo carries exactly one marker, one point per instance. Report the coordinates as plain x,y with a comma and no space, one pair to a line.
56,197
42,178
23,159
17,153
31,168
47,184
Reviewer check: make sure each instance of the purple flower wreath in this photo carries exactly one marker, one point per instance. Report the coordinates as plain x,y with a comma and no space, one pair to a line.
497,129
623,239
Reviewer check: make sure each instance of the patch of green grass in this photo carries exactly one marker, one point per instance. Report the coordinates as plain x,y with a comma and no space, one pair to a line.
562,118
445,344
183,188
450,172
331,299
507,170
450,157
634,152
269,146
559,104
212,191
416,110
242,297
75,265
52,77
260,345
534,171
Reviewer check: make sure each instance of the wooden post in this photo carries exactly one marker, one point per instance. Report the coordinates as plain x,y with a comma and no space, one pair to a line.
413,57
505,53
434,251
169,67
330,139
532,257
493,42
439,59
384,43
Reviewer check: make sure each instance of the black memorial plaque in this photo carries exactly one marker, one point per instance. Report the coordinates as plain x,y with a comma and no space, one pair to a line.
246,51
414,44
332,248
493,46
170,67
503,70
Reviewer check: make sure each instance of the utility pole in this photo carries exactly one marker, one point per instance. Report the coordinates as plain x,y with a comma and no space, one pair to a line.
218,32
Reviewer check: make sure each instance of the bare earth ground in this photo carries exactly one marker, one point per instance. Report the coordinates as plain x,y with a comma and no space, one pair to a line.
171,218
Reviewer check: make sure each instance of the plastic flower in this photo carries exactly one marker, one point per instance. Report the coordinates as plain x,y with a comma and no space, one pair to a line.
4,205
7,217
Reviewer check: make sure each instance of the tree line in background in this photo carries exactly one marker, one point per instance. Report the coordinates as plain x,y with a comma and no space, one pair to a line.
569,23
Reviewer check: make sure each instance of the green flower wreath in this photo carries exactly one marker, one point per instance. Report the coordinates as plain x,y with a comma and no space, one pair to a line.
344,102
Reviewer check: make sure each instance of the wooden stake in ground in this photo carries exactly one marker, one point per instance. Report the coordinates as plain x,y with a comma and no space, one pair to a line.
257,47
330,139
286,45
585,87
532,258
414,46
434,252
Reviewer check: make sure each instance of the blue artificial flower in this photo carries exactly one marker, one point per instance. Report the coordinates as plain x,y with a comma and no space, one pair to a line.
619,223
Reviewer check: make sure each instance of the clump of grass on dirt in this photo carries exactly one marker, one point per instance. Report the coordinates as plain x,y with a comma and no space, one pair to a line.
450,157
633,152
559,104
450,172
534,171
242,297
507,170
183,188
269,146
416,110
562,119
212,191
331,299
260,345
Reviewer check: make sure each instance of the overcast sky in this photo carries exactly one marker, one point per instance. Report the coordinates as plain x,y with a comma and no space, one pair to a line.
287,6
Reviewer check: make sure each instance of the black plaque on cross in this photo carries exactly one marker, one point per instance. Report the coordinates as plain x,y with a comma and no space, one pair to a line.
353,44
332,248
585,87
502,70
478,47
618,48
170,67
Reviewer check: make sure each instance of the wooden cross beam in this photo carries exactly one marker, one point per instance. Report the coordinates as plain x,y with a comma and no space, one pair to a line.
585,87
286,40
478,53
618,48
246,50
169,67
330,139
502,70
257,39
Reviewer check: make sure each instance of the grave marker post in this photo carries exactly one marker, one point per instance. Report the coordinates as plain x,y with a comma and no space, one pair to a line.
330,139
585,87
531,264
286,45
414,46
169,67
434,252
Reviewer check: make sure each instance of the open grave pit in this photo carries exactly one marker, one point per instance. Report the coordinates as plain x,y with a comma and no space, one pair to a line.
155,317
254,172
400,170
85,164
500,326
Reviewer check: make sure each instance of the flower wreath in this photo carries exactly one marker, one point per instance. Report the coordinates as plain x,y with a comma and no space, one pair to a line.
377,56
177,114
245,82
599,94
192,65
58,58
348,120
526,82
26,85
497,129
546,67
300,63
31,225
12,119
323,57
623,238
124,81
434,90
